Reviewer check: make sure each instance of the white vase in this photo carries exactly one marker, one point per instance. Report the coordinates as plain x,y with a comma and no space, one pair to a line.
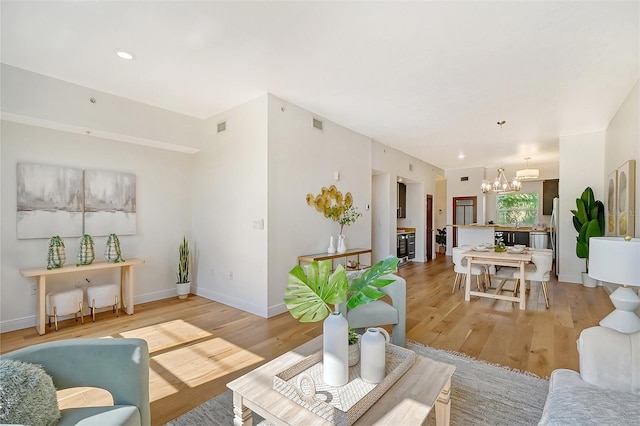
332,247
335,350
342,246
373,354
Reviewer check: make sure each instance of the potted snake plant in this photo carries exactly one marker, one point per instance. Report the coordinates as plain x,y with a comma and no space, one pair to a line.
183,284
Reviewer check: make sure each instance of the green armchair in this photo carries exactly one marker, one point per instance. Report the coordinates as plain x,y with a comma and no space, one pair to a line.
121,366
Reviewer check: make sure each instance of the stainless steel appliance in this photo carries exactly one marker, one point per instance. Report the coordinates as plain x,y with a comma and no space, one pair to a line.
402,248
555,222
538,239
411,246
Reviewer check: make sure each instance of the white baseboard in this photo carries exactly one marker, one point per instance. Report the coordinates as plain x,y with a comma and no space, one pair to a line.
17,324
568,278
230,301
272,311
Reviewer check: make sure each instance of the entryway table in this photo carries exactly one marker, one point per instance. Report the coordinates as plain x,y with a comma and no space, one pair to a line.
41,274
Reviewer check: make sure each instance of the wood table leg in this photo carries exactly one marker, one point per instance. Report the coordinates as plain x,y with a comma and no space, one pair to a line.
467,289
523,288
41,294
443,405
241,414
126,287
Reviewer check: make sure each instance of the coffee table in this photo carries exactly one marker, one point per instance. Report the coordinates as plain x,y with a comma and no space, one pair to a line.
407,402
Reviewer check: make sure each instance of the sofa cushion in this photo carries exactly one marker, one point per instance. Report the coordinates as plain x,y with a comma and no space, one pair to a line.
589,405
121,415
27,394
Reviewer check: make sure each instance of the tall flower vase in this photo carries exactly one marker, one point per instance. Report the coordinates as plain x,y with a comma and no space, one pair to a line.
335,350
342,246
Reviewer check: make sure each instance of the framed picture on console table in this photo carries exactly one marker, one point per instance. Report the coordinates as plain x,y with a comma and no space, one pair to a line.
611,210
626,198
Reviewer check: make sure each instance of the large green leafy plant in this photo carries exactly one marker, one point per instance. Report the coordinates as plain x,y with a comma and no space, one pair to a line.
588,219
312,291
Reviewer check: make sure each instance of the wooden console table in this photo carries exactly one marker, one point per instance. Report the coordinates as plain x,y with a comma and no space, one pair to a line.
126,286
332,256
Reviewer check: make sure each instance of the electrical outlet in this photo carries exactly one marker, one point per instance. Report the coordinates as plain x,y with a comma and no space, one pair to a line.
34,288
79,283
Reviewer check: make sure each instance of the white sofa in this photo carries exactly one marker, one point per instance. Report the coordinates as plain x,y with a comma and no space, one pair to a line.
607,389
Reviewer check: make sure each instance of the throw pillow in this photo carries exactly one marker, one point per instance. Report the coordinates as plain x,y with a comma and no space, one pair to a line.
27,394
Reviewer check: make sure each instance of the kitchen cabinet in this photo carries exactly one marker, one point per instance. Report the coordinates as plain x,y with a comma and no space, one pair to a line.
402,200
511,238
549,192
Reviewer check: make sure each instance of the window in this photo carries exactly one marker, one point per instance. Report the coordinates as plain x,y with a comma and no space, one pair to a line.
517,208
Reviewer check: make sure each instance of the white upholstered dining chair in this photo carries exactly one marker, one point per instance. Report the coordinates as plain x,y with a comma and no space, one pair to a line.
461,269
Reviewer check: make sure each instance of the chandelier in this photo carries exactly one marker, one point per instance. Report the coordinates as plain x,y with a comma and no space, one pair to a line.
501,183
527,173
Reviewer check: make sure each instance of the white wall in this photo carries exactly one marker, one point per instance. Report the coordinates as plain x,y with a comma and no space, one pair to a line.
383,218
581,165
230,193
302,160
440,204
163,215
468,188
32,98
623,142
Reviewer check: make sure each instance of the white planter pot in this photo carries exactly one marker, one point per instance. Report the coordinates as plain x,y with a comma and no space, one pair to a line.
183,290
587,281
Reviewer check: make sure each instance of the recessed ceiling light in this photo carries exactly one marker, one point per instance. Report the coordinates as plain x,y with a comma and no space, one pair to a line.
461,156
125,54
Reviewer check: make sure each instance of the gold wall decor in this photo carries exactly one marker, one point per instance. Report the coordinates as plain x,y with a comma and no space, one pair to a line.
330,202
626,198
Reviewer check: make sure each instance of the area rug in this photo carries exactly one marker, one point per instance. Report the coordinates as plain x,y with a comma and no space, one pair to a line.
481,394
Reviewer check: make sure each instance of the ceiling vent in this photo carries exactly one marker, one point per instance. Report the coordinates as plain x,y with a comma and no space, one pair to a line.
317,124
222,126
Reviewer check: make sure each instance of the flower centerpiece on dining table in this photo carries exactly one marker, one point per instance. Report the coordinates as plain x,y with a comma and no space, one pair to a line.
314,293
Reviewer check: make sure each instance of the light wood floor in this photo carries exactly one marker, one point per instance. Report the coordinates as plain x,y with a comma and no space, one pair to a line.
198,345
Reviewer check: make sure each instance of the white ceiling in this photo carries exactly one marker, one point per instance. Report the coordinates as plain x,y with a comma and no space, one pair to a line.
428,78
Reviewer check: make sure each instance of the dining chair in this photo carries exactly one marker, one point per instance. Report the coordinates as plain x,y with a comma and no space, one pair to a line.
460,268
540,270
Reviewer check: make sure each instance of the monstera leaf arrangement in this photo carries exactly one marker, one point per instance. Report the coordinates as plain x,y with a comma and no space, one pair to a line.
312,291
588,219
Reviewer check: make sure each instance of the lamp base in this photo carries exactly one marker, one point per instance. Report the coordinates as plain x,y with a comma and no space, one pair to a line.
623,318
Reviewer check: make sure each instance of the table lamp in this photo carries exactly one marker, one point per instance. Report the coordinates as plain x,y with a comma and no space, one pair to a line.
617,260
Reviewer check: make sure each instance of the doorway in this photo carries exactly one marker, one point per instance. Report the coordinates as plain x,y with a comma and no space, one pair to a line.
465,212
429,227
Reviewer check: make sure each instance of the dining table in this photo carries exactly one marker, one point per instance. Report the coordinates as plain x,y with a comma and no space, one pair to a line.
489,257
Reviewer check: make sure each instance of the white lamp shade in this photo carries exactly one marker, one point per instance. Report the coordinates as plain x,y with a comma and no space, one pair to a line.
615,260
528,174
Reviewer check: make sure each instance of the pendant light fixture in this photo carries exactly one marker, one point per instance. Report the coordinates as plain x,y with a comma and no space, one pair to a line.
501,183
527,173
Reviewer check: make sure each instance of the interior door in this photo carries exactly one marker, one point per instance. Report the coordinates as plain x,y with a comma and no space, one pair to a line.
429,232
465,212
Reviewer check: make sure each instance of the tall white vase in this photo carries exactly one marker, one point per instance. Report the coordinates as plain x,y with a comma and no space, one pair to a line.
342,246
332,247
335,350
373,354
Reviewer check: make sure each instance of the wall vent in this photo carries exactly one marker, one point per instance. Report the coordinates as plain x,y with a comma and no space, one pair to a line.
222,126
464,178
317,124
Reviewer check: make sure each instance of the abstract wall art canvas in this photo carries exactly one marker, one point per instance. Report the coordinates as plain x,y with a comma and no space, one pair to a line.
49,201
611,210
110,203
626,198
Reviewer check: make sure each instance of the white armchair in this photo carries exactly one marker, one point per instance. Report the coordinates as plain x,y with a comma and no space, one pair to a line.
607,389
380,312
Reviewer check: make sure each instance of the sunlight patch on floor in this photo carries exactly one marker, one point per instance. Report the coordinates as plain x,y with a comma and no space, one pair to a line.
204,361
167,334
